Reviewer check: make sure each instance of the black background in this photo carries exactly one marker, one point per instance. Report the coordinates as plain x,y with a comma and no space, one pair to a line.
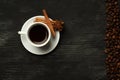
79,54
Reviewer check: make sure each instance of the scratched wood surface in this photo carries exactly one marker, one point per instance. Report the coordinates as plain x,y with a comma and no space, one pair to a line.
79,54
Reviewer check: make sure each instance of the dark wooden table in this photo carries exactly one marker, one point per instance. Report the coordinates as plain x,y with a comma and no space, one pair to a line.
79,54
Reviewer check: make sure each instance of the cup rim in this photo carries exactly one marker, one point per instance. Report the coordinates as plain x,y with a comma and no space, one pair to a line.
42,44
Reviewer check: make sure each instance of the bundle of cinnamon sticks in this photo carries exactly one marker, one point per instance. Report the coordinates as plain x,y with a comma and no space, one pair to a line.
52,24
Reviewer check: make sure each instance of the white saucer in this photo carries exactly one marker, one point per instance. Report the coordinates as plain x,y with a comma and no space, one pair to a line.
36,50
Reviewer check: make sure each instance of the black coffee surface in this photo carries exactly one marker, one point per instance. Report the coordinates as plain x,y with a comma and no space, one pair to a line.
38,34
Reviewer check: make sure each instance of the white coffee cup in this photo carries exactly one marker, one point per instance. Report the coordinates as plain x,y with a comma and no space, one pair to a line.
35,28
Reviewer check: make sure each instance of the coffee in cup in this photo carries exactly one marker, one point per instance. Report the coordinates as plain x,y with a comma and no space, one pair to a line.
38,34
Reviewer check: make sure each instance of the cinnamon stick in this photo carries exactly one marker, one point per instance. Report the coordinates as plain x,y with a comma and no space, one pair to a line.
48,22
37,19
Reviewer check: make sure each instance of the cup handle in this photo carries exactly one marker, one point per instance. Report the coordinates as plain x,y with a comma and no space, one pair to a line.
20,32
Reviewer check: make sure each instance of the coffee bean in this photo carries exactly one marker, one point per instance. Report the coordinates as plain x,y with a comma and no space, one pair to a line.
112,40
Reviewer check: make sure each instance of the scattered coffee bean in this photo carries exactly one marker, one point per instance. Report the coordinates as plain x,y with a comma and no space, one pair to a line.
112,40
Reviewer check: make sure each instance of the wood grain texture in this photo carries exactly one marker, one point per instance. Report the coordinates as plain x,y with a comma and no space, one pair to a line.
79,54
